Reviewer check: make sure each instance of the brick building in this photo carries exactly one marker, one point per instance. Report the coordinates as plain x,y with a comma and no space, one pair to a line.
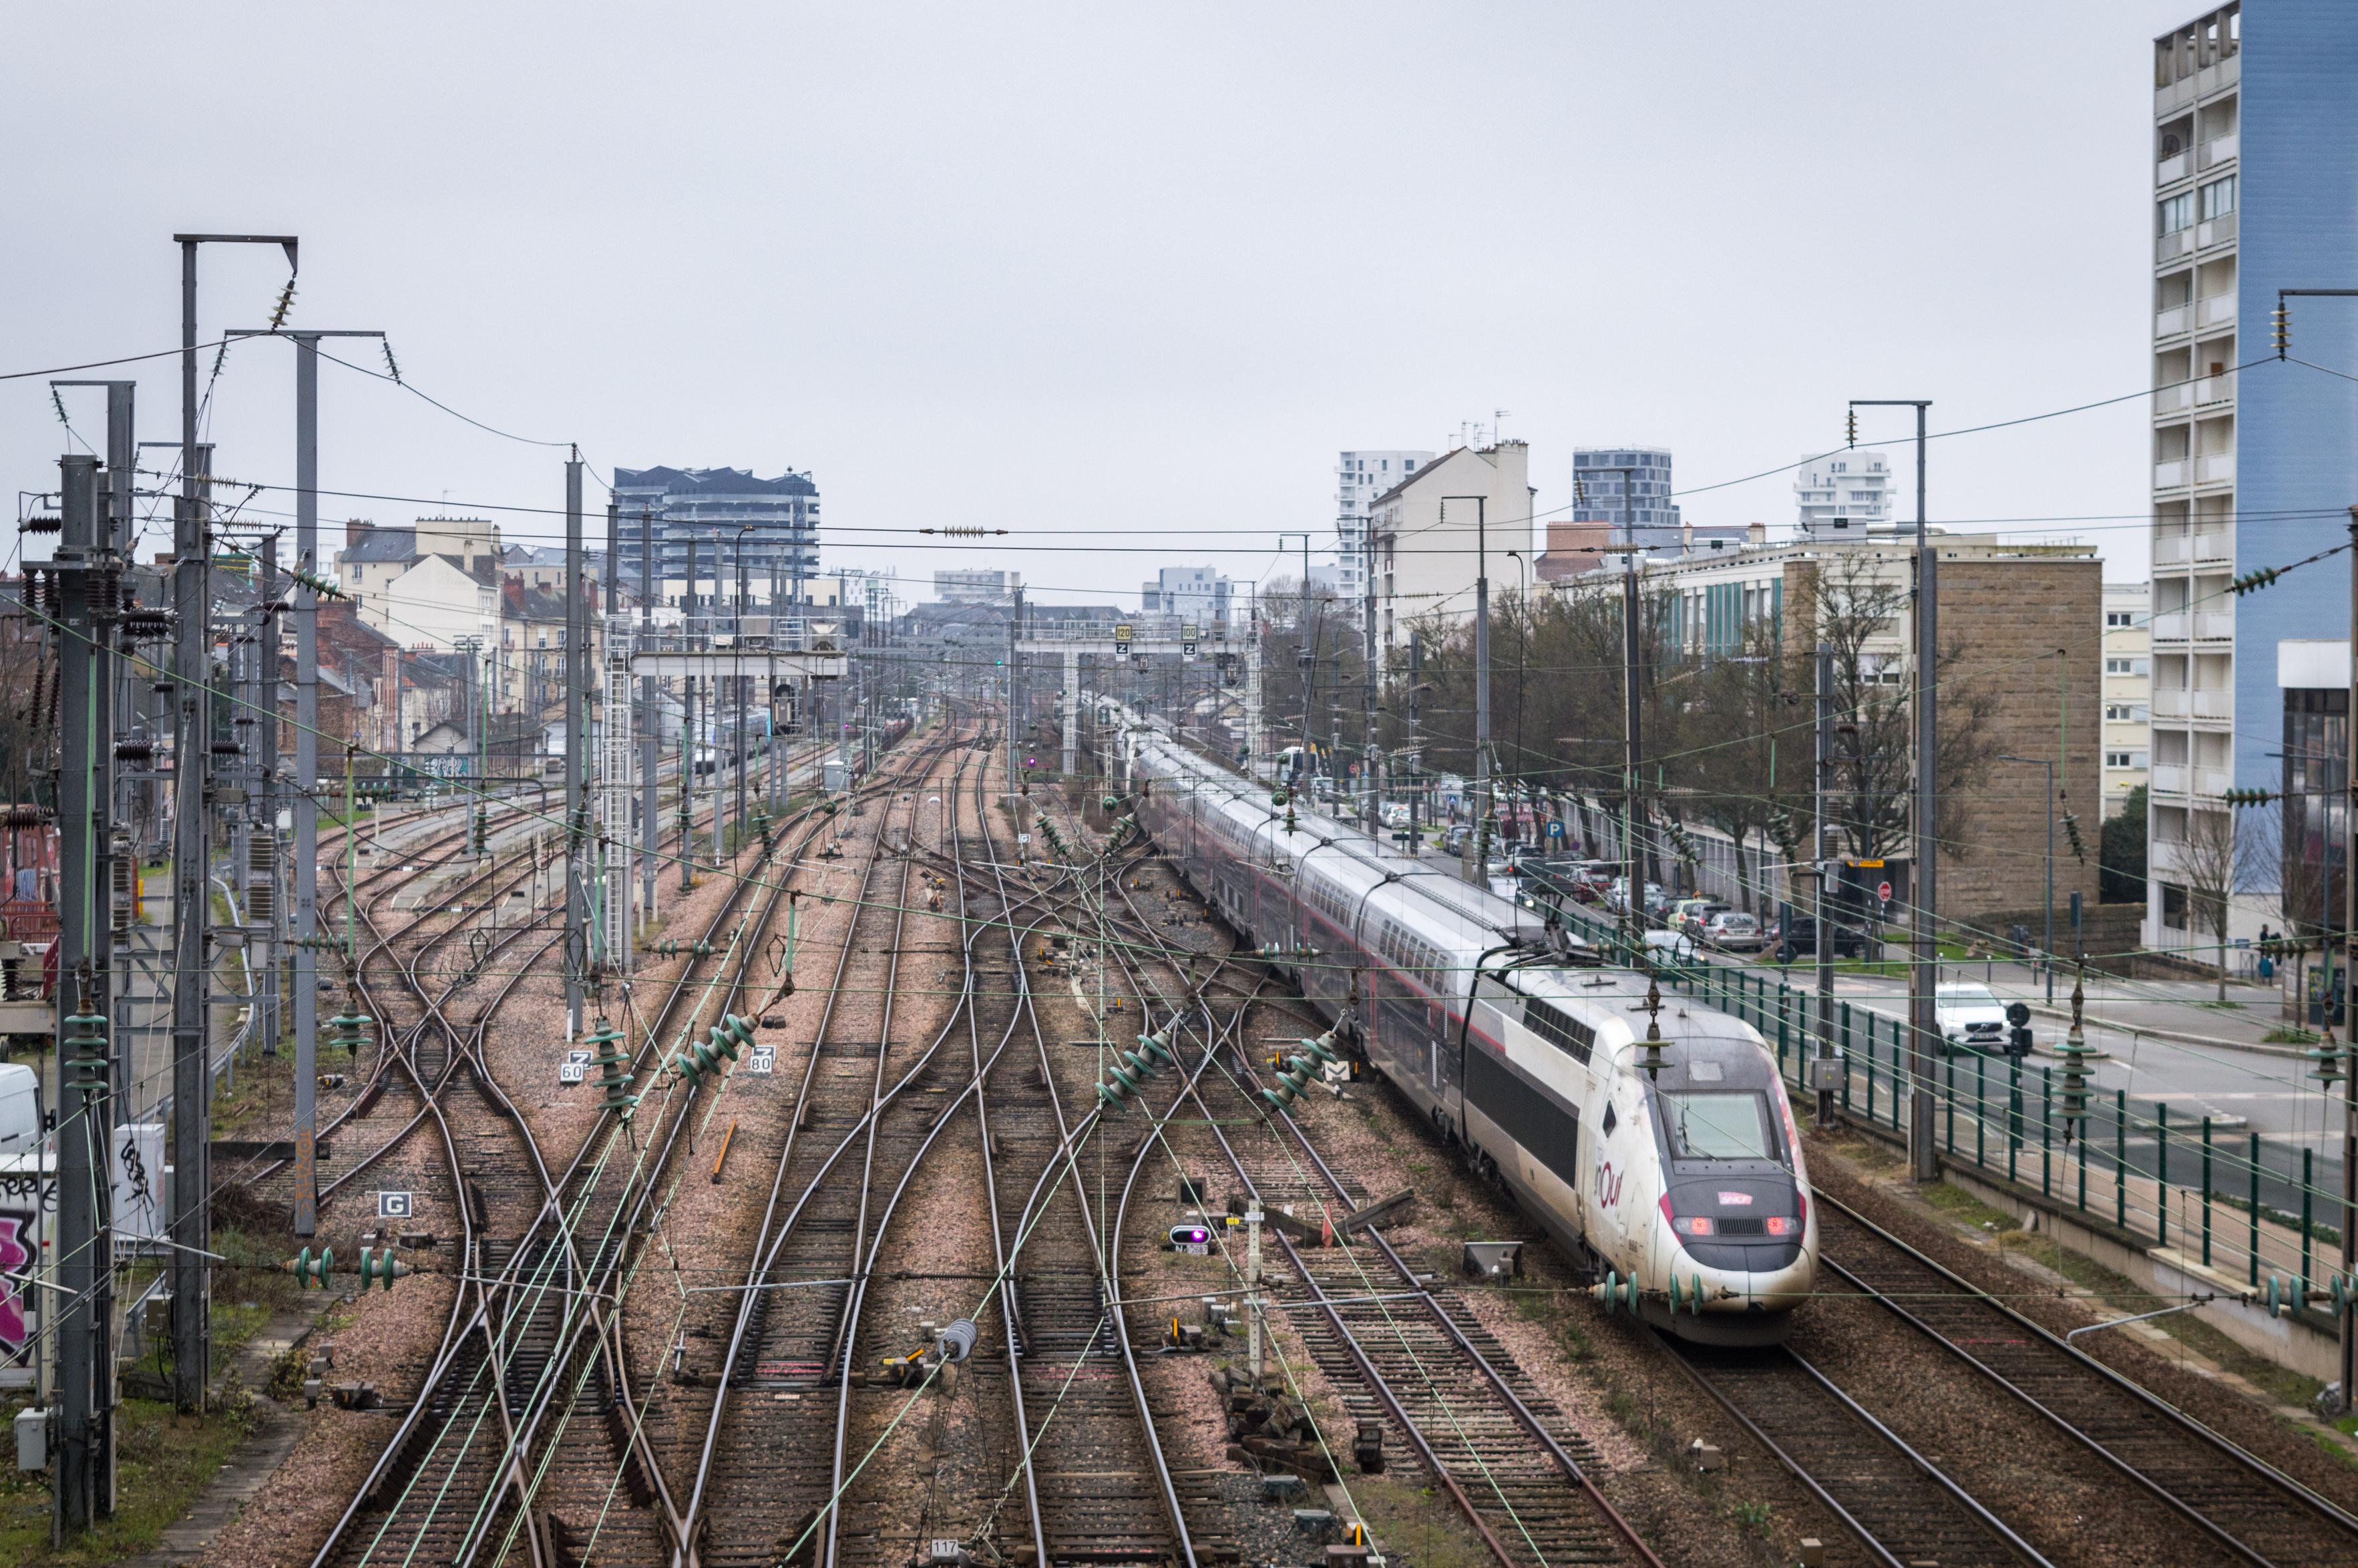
2024,623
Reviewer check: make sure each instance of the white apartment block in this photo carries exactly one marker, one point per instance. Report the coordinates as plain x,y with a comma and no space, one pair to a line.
2128,690
1843,492
1359,478
1437,530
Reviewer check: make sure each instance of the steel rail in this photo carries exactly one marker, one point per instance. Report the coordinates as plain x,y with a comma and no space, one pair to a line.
456,1333
1521,1413
2217,1442
1810,1482
772,1235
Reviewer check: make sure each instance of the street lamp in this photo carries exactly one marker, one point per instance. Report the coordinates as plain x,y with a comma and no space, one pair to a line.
2048,963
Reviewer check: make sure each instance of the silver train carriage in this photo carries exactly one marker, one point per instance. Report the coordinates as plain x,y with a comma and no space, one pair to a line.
1685,1192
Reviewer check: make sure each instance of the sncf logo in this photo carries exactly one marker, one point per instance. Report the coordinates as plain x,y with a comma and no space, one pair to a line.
1608,1184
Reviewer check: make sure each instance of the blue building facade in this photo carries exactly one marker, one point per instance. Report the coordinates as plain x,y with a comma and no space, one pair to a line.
1644,507
2254,457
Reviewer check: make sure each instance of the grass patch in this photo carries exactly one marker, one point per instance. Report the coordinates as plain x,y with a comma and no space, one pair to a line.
1417,1524
164,1459
2120,1292
1961,1204
2290,1034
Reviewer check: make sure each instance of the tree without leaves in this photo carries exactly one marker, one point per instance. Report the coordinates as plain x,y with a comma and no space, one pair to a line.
1873,775
2207,858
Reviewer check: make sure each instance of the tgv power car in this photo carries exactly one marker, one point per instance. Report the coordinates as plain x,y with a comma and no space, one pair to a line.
1684,1189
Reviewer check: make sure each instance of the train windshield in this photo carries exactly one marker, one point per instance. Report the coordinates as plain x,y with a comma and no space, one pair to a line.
1719,1126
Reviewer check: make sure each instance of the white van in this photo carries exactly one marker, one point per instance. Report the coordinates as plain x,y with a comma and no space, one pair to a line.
20,1108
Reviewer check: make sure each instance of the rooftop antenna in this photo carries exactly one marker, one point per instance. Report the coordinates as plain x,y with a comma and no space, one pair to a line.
1498,425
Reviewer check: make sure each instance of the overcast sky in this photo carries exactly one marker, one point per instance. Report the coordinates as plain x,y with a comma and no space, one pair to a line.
1120,279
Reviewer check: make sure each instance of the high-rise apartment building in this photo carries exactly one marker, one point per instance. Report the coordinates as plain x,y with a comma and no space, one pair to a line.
775,521
1634,505
2254,189
2127,689
1843,492
1359,478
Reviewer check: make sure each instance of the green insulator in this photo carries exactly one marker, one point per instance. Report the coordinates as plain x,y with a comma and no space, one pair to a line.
379,1269
350,1030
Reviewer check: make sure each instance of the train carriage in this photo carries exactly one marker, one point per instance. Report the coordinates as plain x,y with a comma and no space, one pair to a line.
1684,1188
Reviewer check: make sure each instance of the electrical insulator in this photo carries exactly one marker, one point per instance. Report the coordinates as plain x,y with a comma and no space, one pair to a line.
2283,329
311,1273
1852,433
381,1268
348,1030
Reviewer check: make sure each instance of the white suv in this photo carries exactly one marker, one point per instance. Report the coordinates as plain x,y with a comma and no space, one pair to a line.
1970,1017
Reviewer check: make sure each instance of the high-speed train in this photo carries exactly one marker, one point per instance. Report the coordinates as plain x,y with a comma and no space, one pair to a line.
1684,1189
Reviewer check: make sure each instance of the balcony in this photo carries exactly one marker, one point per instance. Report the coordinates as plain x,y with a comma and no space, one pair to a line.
2171,703
2168,778
2176,399
2170,322
2215,468
2214,388
2170,169
2214,310
2172,549
2217,232
2171,475
2211,703
2214,781
2169,627
2218,151
2214,544
2170,246
2214,626
2178,94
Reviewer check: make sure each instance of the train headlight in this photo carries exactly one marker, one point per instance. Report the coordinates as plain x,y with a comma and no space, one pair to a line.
1693,1225
1783,1225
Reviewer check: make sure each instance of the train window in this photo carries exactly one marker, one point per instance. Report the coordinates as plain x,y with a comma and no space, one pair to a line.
1566,1034
1611,1120
1718,1126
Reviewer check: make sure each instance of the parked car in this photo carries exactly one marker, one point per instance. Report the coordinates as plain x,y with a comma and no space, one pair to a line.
1669,947
1616,894
1453,840
1733,931
1692,915
1798,942
1970,1017
1395,813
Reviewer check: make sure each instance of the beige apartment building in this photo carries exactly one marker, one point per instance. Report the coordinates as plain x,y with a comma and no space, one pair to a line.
2130,696
1437,531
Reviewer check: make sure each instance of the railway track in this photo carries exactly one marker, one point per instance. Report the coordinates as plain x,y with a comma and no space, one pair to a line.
2244,1506
772,1459
1409,1356
1098,1485
530,1341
